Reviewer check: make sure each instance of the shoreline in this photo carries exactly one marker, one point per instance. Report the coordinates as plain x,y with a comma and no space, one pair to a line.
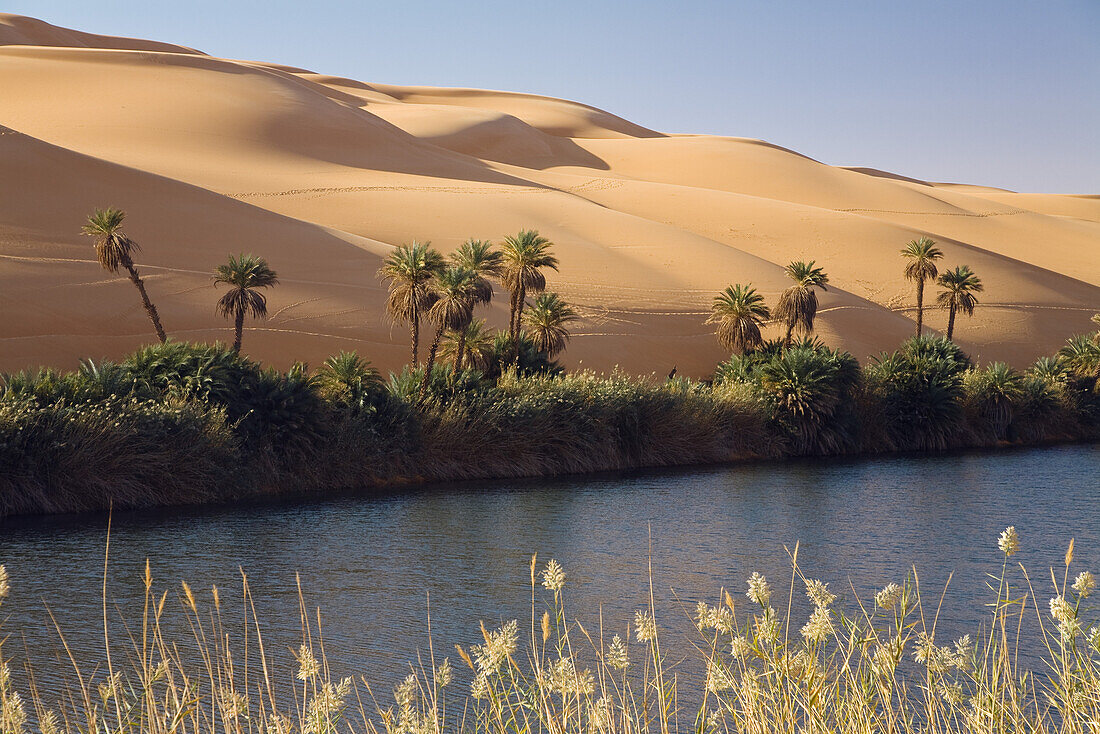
186,425
403,486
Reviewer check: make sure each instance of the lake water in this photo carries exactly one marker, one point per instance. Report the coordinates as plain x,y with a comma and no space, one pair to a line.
371,562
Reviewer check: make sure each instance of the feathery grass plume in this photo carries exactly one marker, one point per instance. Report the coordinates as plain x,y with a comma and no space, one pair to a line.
645,629
818,592
819,627
1009,541
1084,584
759,589
889,596
308,667
5,583
553,576
617,656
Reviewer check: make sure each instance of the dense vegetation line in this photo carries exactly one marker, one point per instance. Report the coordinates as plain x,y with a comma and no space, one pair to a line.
760,662
178,423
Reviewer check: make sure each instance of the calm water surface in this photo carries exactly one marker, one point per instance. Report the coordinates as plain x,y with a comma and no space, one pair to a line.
371,563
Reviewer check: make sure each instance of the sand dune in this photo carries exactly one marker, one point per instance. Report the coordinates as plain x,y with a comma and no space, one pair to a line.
323,175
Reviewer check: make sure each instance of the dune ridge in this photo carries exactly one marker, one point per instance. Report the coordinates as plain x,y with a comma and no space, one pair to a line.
323,175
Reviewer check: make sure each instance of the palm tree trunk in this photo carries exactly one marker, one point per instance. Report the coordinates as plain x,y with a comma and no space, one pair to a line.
787,338
239,326
461,353
519,306
920,307
415,335
512,315
951,322
431,361
149,307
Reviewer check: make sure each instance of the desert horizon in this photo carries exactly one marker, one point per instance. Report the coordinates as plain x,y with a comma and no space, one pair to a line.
323,176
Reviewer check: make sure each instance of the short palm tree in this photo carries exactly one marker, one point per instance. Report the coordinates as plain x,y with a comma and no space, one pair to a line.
546,323
114,250
410,269
959,286
245,275
349,379
798,304
739,312
455,292
525,255
1096,320
922,255
471,345
480,257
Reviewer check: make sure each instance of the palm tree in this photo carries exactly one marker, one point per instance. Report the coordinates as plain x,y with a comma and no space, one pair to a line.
455,292
244,275
349,379
922,255
959,286
525,254
739,312
798,304
546,322
1096,320
480,257
472,344
410,269
114,249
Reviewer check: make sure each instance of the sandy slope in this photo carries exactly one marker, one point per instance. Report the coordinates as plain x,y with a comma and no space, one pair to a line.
323,175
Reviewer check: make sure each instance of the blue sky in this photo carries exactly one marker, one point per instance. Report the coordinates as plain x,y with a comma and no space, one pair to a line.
1003,93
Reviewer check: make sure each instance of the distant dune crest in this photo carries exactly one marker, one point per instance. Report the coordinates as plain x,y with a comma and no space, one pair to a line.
322,175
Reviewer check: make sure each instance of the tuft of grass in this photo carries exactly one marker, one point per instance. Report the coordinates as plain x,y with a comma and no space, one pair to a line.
756,665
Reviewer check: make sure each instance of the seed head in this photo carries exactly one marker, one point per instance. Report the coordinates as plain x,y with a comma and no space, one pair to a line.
1084,584
889,597
616,655
759,590
308,667
819,593
1009,542
819,627
5,585
645,629
553,576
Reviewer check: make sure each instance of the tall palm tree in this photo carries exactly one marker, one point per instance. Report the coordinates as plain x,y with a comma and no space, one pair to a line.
472,344
798,304
480,257
922,255
114,250
525,255
245,275
546,322
410,269
739,312
455,291
959,286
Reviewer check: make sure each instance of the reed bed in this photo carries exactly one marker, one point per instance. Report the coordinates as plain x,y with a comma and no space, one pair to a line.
863,665
184,423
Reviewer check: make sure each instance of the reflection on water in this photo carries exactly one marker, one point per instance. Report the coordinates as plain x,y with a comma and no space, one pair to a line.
372,563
